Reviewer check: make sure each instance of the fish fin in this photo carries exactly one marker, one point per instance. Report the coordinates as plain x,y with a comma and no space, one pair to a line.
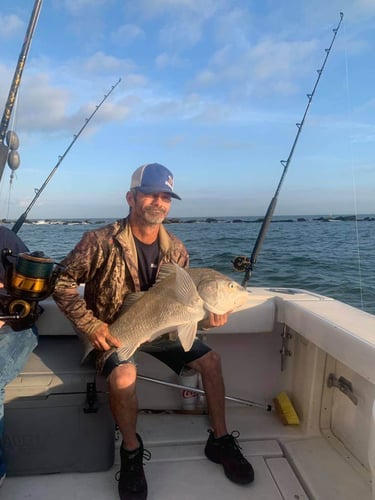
87,349
127,350
186,291
165,271
131,298
186,334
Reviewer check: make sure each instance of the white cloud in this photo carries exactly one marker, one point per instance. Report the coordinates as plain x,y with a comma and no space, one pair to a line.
206,78
165,60
268,66
127,33
10,25
46,108
235,26
156,7
183,22
275,58
42,106
104,63
77,6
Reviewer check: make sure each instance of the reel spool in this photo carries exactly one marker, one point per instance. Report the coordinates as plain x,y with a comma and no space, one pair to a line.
241,263
30,277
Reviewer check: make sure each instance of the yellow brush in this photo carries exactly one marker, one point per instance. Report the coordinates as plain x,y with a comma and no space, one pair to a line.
285,410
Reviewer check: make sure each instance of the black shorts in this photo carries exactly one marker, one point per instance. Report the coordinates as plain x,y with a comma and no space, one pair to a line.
167,351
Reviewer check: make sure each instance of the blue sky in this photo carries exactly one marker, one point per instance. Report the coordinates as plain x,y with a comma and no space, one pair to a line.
212,89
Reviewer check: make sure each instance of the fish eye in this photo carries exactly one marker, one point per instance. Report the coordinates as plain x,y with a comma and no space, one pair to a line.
231,284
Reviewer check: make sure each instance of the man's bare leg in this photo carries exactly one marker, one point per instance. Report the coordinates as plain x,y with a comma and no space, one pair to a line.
209,366
123,402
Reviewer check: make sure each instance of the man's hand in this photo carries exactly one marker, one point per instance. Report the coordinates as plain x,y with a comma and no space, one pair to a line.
102,339
213,320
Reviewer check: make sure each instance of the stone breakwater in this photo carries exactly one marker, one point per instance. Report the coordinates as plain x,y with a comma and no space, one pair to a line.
344,218
198,220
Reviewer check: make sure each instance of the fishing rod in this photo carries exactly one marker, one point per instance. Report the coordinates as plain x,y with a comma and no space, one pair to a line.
39,191
243,263
12,140
247,402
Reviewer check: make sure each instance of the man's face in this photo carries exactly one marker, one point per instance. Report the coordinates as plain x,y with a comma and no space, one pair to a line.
149,208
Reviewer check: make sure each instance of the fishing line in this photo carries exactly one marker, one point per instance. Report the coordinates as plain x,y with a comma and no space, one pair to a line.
8,201
351,162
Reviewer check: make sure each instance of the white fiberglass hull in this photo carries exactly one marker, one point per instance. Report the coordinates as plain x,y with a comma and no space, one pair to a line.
330,455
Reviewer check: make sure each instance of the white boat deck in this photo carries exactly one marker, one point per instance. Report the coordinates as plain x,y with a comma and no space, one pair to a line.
178,469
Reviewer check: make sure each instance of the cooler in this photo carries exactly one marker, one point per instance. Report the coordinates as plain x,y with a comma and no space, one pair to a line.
57,416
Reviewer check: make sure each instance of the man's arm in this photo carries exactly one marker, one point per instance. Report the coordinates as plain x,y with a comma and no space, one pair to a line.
79,267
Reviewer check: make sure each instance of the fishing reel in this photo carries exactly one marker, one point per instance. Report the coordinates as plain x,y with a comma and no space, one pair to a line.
241,263
28,279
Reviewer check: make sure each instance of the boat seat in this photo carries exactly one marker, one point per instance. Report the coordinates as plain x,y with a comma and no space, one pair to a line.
257,316
52,321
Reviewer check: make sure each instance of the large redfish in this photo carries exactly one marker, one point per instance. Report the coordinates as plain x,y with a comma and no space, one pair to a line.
176,302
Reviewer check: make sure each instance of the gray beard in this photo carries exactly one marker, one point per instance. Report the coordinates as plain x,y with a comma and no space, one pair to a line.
154,218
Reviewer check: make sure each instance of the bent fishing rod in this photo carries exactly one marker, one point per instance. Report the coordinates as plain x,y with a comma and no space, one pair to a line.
4,148
39,191
243,263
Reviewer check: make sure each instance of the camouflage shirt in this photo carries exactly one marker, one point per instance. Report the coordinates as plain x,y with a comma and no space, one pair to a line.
105,260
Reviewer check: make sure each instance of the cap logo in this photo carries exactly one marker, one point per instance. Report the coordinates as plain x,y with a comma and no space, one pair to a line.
169,182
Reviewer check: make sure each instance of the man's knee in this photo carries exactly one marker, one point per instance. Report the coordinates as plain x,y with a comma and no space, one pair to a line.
122,376
210,362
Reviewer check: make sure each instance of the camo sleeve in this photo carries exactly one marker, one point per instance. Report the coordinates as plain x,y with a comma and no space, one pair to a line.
180,254
79,267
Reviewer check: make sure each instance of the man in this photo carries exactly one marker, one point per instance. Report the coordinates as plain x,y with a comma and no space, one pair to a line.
15,347
125,257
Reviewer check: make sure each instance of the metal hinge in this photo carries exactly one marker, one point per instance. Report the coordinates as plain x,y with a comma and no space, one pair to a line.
284,351
344,385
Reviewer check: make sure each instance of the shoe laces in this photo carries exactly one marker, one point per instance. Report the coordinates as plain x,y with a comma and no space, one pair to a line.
135,463
236,448
231,445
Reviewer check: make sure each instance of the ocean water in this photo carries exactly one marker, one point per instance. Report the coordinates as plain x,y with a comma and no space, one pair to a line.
331,258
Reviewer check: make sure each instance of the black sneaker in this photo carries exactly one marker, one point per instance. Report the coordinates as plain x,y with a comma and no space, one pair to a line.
226,451
132,484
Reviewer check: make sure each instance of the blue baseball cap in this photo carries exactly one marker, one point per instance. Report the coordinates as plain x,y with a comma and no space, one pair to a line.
153,178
